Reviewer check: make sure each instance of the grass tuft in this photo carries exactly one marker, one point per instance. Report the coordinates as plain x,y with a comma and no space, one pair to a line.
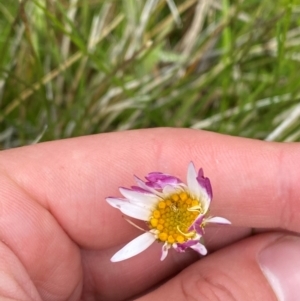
78,67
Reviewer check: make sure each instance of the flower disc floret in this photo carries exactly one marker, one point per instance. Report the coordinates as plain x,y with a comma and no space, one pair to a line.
172,218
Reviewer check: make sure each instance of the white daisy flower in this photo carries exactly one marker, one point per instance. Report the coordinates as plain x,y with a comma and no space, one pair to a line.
175,213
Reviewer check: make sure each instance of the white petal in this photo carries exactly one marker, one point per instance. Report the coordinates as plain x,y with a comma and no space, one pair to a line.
217,220
136,212
205,201
192,181
145,200
164,251
114,202
199,248
136,246
172,189
197,191
130,209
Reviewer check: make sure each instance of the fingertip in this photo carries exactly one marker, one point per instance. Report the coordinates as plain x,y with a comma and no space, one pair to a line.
280,263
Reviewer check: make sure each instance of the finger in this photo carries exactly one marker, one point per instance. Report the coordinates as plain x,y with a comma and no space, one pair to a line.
43,249
130,277
255,183
264,267
15,283
140,273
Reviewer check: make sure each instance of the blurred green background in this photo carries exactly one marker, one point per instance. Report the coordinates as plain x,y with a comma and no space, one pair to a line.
78,67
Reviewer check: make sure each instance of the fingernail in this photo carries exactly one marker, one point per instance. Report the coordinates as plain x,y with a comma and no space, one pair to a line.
280,263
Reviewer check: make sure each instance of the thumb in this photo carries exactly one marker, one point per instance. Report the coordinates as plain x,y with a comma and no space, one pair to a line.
262,267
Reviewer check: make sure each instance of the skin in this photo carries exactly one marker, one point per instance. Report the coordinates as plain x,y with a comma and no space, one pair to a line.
58,233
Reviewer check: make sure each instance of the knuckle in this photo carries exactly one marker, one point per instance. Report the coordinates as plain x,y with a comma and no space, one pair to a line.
198,287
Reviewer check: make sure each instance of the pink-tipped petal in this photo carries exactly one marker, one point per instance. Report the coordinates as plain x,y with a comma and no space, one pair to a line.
196,225
181,247
159,180
136,246
143,185
197,190
204,183
139,189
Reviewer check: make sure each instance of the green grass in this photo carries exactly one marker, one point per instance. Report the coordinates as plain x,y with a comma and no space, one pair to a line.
78,67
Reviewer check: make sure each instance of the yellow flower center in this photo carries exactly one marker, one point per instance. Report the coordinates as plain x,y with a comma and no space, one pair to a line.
173,216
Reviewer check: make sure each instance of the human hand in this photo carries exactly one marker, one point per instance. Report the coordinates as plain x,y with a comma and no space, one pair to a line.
58,233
